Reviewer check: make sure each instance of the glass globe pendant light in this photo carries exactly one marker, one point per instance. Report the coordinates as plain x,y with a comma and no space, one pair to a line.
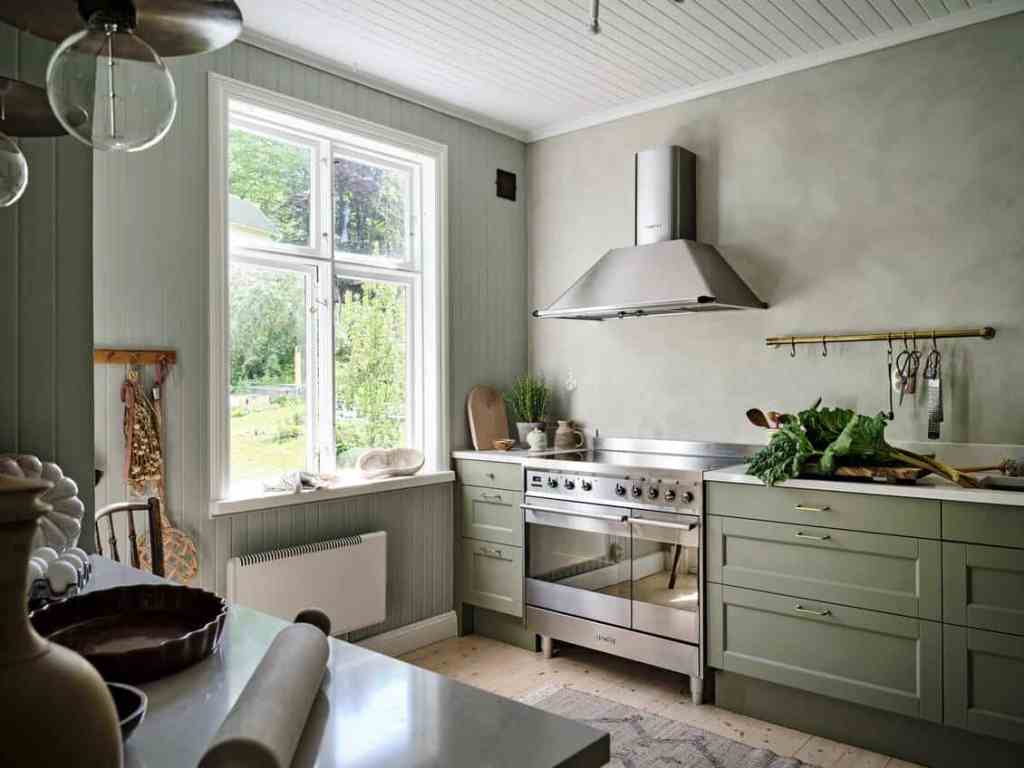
13,166
108,87
13,172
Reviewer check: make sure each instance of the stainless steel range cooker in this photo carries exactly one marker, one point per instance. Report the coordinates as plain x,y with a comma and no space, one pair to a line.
615,549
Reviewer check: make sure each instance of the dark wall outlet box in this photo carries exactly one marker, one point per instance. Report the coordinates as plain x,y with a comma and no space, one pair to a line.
506,184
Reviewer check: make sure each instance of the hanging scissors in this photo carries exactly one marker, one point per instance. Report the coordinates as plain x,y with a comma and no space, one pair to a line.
907,362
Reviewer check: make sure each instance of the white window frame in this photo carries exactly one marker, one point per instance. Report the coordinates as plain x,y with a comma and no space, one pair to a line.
428,266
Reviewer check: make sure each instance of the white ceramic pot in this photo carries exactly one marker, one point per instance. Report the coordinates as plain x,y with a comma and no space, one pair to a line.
537,439
523,428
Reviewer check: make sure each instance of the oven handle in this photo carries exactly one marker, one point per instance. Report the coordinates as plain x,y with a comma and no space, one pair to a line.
553,511
660,524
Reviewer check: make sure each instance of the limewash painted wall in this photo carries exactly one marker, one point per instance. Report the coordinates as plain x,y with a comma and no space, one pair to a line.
884,191
151,268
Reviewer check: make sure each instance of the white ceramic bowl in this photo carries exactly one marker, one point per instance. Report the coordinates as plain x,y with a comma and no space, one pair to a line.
390,462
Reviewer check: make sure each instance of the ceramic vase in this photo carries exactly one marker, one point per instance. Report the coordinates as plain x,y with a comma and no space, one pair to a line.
568,437
40,680
537,439
523,428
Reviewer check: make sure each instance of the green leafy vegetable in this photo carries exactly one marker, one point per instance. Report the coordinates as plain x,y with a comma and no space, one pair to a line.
820,440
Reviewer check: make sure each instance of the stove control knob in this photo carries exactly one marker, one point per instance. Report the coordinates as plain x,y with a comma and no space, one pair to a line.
637,491
552,482
569,484
670,494
686,497
620,489
652,492
587,485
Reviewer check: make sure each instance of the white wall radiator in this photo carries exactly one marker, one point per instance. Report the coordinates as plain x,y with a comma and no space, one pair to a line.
345,578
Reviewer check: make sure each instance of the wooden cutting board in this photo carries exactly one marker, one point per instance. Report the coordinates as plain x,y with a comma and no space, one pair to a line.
487,418
890,474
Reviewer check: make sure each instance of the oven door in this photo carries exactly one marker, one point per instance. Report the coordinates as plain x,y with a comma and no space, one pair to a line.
666,575
578,559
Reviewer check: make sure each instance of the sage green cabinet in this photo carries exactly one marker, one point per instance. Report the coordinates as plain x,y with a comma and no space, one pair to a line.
490,474
827,509
876,659
885,573
492,515
984,673
983,587
994,524
492,576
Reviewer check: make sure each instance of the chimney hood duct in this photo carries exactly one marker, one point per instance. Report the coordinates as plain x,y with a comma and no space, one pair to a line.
667,271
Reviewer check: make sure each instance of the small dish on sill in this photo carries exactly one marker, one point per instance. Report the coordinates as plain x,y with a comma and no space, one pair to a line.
390,462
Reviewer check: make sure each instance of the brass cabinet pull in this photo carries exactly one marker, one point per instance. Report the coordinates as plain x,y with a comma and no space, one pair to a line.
490,496
805,508
800,609
802,535
495,553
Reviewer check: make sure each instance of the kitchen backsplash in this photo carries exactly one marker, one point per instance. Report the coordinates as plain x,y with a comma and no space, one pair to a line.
874,193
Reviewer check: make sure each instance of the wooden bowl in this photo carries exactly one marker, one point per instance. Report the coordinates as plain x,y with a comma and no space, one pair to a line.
503,445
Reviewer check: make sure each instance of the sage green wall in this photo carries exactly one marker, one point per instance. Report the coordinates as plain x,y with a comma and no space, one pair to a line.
46,295
879,192
151,276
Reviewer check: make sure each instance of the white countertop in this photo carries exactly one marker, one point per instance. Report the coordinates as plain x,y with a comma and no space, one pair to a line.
514,456
926,488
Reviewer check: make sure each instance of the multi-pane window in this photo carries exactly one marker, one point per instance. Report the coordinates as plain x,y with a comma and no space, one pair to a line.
326,272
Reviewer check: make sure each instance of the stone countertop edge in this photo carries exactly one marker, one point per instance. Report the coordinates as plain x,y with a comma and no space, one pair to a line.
929,488
514,456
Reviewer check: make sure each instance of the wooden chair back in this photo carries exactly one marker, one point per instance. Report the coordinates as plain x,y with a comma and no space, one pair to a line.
156,536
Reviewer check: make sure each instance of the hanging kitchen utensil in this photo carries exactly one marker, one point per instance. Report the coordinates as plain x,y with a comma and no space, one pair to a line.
890,379
906,369
933,383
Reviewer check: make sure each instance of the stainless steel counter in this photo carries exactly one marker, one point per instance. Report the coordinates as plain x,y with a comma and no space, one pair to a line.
372,710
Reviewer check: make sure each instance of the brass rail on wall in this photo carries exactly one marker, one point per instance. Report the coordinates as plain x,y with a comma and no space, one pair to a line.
889,336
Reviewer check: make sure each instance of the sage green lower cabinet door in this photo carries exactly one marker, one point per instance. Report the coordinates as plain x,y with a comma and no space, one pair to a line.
895,574
865,657
492,576
983,587
492,515
984,682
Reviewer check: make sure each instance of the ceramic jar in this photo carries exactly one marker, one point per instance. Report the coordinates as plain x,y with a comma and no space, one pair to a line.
524,428
537,439
41,677
568,437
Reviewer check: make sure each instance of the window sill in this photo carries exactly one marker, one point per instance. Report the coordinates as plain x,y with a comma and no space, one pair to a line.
343,489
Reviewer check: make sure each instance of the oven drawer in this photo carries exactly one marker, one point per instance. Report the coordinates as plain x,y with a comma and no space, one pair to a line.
492,515
864,657
492,576
490,474
865,570
983,587
826,509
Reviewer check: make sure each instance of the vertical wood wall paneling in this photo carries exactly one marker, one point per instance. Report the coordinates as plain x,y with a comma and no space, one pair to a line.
46,380
419,525
151,288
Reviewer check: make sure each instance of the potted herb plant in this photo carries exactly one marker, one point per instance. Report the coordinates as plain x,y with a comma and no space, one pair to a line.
528,399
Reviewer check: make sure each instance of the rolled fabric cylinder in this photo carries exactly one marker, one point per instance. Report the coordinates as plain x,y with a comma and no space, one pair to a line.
263,729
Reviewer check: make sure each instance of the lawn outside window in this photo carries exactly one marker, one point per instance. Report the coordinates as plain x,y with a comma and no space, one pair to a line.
327,291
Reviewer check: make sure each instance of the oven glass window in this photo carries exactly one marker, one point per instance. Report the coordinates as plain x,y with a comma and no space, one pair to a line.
585,560
665,580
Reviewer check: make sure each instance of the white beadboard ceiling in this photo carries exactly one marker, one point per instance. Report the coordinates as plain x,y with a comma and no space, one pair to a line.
533,69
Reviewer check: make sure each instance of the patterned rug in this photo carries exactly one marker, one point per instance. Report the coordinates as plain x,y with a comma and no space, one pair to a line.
643,740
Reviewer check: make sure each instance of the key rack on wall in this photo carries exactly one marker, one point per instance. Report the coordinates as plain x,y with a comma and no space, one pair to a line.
103,356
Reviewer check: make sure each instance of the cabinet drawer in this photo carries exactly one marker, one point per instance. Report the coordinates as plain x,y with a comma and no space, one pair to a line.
865,570
983,524
983,674
490,474
875,659
492,515
492,576
827,509
983,587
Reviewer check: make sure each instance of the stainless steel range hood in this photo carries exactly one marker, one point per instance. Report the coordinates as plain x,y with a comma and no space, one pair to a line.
667,271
